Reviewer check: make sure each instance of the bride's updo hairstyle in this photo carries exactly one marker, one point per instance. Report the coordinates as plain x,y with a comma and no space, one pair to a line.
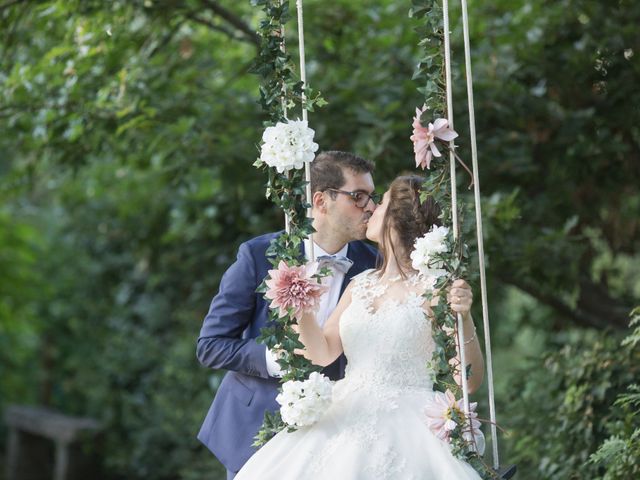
408,217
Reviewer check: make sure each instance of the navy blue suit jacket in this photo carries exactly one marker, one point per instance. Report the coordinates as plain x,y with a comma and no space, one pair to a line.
227,341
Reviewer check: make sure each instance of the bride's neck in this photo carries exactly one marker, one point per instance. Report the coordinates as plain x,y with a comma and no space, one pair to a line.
395,268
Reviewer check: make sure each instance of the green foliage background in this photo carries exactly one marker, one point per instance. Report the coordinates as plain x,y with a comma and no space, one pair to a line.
127,134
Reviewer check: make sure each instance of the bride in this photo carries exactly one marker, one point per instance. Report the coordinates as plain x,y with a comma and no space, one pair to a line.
375,427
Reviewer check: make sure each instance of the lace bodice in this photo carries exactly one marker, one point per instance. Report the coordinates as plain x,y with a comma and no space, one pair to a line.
386,335
387,340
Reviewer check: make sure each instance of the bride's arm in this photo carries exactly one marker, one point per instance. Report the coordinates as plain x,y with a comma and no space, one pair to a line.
323,346
460,299
473,355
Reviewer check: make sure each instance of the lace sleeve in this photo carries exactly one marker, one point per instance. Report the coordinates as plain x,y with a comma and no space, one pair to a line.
361,282
367,288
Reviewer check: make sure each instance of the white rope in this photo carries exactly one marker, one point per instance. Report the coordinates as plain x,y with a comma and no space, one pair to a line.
476,192
303,68
452,158
307,166
283,49
454,200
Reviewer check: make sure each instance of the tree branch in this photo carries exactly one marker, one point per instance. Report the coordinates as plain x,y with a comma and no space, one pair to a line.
610,313
11,4
219,28
6,42
167,38
234,20
596,299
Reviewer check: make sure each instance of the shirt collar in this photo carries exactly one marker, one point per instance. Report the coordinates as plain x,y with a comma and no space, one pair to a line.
317,250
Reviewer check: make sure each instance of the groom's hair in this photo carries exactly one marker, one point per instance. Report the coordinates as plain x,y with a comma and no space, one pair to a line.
327,170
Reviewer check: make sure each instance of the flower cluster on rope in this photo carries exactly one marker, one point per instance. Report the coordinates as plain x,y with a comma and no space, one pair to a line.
294,291
439,260
424,257
286,146
445,417
437,255
424,138
302,403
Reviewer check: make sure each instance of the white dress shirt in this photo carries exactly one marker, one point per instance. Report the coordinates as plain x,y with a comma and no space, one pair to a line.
328,301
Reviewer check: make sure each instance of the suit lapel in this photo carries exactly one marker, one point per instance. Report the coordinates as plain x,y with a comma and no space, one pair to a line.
355,268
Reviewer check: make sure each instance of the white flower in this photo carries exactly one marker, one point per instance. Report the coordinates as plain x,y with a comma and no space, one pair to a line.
424,250
302,403
288,145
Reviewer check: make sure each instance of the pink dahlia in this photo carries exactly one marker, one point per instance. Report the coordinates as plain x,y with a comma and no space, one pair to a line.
424,138
444,414
294,288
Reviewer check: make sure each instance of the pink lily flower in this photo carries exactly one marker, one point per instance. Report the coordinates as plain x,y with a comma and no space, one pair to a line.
423,138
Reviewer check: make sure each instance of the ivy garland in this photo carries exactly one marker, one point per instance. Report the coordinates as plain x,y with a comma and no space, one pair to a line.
430,75
282,91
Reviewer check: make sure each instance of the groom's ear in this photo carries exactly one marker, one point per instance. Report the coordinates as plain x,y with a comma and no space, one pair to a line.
319,202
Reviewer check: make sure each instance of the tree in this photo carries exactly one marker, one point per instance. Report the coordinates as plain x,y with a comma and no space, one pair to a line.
128,131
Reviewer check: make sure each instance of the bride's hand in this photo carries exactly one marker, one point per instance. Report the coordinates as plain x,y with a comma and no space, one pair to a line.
460,297
297,351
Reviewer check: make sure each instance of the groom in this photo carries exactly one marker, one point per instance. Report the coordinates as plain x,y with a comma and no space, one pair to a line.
341,185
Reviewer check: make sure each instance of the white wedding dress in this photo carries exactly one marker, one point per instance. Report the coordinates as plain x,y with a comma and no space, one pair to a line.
375,427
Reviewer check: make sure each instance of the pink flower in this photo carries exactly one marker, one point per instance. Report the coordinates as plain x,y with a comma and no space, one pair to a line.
445,414
294,287
424,138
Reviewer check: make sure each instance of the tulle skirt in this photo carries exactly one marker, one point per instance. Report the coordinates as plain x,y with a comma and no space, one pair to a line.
366,434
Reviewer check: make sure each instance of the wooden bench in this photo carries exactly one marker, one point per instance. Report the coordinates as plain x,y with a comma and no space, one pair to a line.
45,444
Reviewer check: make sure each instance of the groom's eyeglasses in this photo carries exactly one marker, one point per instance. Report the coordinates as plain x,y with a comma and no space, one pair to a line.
360,198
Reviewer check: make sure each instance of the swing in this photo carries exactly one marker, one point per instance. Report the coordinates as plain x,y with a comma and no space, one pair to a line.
504,472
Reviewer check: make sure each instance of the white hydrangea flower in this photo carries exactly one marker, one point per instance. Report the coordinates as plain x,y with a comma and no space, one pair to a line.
302,403
288,146
424,250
